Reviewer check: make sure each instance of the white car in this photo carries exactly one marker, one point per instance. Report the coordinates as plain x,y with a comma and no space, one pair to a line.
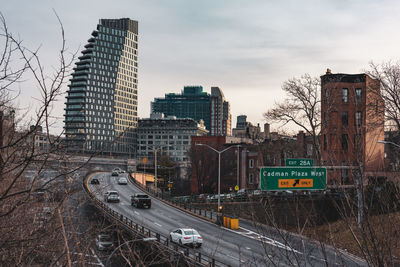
122,180
186,236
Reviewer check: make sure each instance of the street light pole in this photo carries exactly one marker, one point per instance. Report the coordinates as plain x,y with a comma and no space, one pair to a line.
155,166
219,168
155,169
388,142
237,171
146,239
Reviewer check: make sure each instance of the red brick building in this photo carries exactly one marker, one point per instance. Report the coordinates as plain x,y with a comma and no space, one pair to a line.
204,165
352,115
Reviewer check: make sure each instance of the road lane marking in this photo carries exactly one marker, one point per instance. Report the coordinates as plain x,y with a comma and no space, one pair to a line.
137,213
248,248
159,225
263,239
236,259
97,258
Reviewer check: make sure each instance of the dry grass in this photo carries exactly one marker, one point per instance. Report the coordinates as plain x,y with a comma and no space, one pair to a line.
380,236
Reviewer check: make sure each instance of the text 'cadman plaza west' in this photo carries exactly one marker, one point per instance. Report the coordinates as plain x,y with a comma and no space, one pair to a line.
300,178
295,173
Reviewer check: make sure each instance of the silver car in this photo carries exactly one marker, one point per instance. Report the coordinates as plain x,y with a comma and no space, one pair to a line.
122,180
111,196
104,242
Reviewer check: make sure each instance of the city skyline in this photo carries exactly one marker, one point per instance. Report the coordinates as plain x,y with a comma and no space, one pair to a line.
247,49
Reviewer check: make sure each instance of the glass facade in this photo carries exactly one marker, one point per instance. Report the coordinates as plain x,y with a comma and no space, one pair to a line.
192,103
198,105
101,107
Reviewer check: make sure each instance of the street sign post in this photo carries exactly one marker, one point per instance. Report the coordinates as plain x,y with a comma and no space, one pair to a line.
299,162
293,178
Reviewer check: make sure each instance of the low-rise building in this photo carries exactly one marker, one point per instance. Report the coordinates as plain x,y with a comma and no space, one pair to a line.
171,136
235,169
38,141
352,115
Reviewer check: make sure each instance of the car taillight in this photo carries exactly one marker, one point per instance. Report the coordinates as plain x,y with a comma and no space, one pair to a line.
199,237
187,237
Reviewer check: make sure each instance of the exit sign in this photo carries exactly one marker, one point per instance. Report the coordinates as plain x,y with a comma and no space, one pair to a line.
299,162
293,178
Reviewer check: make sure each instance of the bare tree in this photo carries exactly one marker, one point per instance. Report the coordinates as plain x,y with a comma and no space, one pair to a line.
388,73
301,107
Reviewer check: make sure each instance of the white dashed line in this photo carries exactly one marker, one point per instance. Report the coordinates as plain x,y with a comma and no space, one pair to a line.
248,248
159,225
137,213
97,258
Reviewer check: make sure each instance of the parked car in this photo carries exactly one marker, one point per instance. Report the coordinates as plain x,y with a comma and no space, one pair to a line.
186,236
95,181
212,198
202,198
140,200
256,193
241,195
122,180
111,196
104,242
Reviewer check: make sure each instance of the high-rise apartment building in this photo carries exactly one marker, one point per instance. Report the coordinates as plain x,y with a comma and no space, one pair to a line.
221,118
198,105
101,107
352,111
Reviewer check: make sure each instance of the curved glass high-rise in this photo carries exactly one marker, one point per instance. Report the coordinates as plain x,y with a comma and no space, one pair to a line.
101,107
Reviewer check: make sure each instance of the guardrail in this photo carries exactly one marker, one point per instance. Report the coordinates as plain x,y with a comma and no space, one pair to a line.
194,257
282,195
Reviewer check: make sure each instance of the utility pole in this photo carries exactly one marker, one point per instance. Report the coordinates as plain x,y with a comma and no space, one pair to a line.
237,171
155,169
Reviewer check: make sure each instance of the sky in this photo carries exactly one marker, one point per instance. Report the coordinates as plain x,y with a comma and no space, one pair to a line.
247,48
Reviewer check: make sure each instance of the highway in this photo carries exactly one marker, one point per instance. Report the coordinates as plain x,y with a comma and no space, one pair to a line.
248,246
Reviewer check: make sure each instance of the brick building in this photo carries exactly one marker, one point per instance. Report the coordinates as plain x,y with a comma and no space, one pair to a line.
204,165
352,115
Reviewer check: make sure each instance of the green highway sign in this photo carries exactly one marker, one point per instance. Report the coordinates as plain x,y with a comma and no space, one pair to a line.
300,162
292,178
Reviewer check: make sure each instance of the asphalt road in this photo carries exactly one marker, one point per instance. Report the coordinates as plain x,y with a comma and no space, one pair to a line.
247,246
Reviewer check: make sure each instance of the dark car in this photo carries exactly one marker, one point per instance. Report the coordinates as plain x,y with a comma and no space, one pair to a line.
111,196
95,181
141,201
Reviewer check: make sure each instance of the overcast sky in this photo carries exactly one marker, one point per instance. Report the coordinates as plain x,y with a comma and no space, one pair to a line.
247,48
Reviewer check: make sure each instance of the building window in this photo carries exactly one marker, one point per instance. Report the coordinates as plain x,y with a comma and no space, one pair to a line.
358,93
345,95
344,142
309,149
251,163
324,121
345,176
326,95
251,178
358,119
357,141
345,118
325,143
